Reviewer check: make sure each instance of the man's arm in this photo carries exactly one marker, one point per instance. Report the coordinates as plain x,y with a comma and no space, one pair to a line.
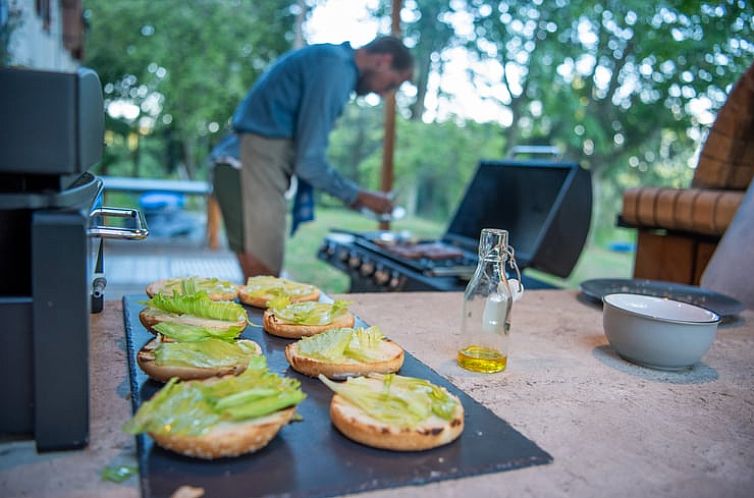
325,95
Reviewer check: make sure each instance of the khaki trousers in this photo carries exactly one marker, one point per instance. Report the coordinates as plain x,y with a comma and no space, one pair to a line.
267,167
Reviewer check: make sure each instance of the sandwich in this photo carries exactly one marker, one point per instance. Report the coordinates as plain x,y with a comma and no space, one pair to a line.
394,412
345,352
190,352
194,309
218,418
216,289
302,319
258,291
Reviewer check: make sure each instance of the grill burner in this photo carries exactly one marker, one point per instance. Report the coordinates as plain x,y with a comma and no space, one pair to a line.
545,206
432,258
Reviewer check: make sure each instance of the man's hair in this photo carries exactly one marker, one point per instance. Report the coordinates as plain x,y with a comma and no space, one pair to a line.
402,58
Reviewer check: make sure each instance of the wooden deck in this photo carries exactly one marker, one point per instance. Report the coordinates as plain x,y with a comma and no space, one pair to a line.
131,265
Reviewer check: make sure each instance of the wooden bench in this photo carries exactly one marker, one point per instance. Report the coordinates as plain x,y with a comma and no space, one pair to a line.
187,187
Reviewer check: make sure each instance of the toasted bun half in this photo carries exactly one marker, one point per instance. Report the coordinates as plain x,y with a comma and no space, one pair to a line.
261,302
146,360
162,285
392,362
150,317
275,326
355,424
228,439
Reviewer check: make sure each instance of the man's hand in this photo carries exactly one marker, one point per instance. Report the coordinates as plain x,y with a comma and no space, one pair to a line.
378,202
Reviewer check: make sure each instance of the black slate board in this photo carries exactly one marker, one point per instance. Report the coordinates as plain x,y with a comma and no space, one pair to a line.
311,458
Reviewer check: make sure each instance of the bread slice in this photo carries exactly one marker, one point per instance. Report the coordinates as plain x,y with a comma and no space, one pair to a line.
308,293
357,425
152,316
225,293
280,328
228,439
390,351
146,360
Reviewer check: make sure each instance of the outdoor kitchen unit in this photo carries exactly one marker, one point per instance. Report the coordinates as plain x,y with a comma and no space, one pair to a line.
546,207
51,251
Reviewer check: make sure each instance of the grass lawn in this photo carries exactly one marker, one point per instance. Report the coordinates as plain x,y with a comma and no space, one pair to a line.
302,264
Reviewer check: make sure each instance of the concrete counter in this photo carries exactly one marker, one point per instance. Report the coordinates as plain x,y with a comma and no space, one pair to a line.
613,428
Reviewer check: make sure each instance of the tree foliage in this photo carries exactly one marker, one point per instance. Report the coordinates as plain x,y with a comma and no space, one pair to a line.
185,65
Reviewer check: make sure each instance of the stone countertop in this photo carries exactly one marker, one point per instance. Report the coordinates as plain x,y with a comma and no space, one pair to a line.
613,428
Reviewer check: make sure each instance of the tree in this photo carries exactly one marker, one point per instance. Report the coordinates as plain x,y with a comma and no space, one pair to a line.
184,65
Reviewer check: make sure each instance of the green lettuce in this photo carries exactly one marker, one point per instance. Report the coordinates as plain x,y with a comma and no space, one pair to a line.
338,345
207,353
182,332
268,287
192,285
200,305
194,408
399,401
308,312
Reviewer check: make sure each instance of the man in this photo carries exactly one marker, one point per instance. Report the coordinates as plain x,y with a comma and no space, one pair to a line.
283,126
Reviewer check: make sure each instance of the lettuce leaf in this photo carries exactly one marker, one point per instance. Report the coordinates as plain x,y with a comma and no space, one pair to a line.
399,401
307,313
199,304
194,408
182,332
338,345
192,285
327,346
207,353
268,287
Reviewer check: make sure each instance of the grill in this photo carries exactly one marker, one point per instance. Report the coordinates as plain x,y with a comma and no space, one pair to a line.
51,251
545,206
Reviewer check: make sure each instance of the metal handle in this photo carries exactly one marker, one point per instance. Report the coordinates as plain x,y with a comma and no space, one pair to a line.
107,232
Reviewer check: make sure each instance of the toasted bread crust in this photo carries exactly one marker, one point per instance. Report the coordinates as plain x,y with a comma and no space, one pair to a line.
356,425
157,286
312,367
145,359
260,302
228,440
279,328
149,319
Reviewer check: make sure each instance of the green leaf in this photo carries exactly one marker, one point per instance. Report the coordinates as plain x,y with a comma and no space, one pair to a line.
182,332
396,400
118,473
310,313
267,287
194,408
328,346
207,353
338,345
199,305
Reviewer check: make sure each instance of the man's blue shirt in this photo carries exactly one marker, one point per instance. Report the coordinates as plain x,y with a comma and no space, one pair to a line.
299,98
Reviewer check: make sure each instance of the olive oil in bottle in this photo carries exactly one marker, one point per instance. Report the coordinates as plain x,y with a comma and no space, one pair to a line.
482,359
487,301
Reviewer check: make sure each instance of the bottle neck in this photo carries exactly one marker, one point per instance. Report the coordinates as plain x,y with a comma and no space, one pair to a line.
492,268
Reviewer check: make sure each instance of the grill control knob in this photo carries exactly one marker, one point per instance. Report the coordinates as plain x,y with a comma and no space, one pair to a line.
330,249
367,268
354,261
381,276
343,255
395,281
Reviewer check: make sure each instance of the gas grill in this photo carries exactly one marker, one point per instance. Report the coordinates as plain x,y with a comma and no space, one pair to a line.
545,206
51,251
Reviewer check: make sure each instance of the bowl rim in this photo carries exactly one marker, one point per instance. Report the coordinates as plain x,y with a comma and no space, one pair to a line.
715,317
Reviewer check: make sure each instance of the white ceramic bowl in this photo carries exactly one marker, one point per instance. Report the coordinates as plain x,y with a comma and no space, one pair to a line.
658,332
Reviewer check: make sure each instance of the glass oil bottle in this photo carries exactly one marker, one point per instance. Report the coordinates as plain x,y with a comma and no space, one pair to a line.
487,303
